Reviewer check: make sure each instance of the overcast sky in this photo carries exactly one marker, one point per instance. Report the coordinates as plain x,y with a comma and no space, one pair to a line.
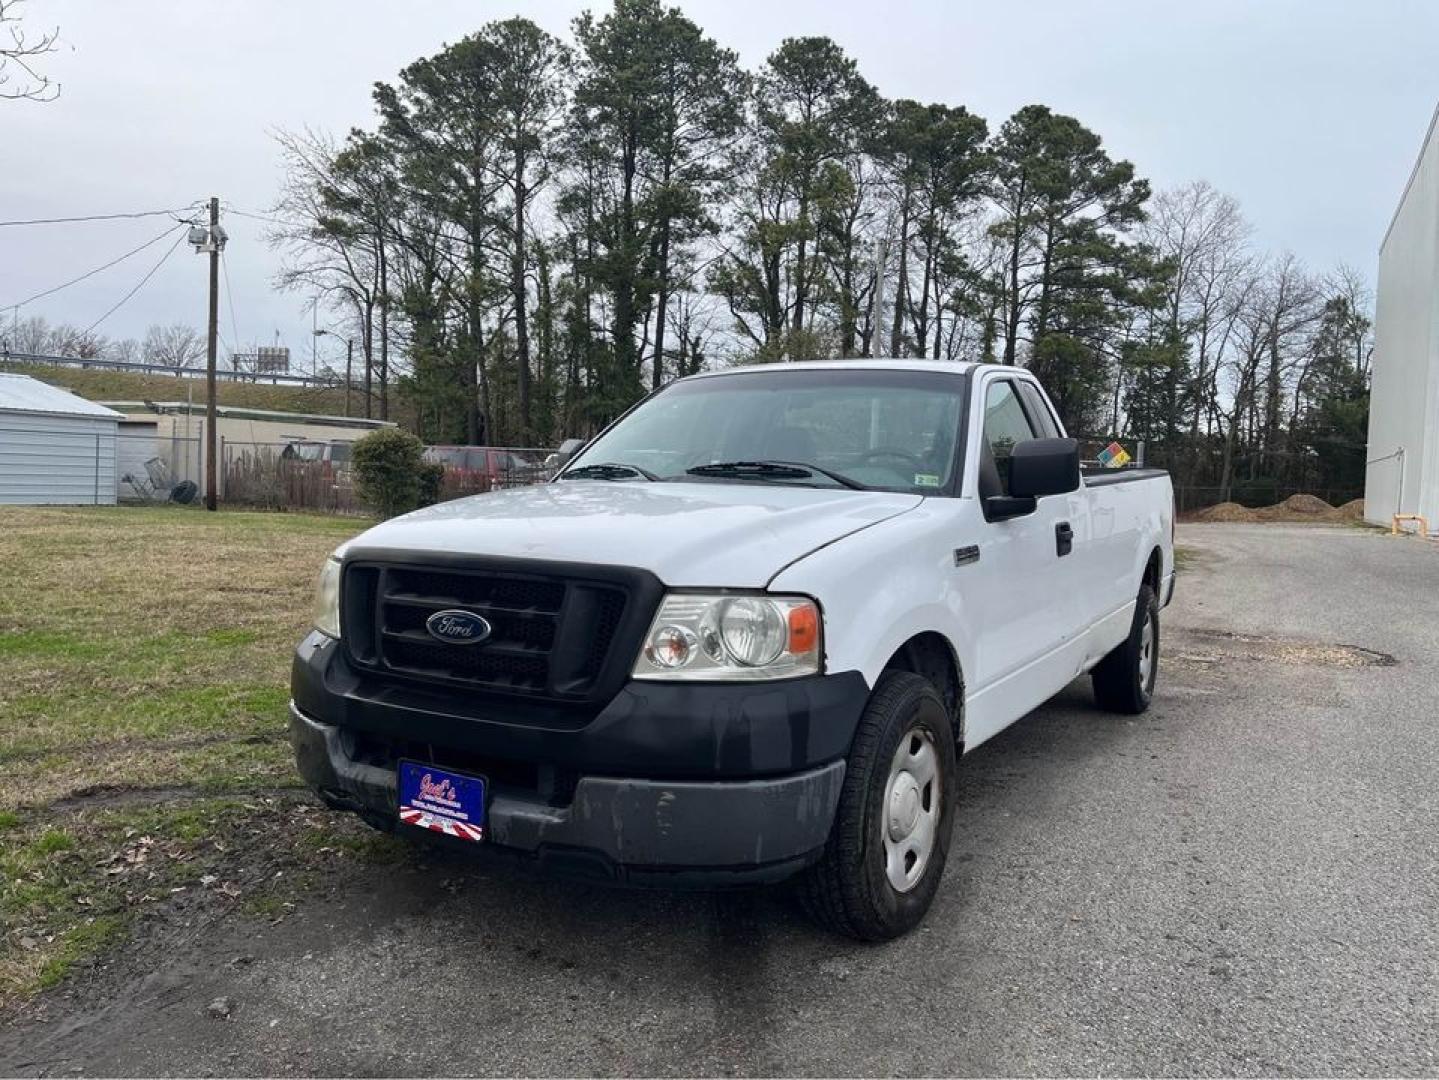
1311,113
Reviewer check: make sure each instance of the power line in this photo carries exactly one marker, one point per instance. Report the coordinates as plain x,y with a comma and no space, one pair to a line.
230,296
98,217
163,259
256,217
92,273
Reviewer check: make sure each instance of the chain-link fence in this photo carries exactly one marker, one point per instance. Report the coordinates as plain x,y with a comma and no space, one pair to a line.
73,461
1266,491
145,467
314,477
317,476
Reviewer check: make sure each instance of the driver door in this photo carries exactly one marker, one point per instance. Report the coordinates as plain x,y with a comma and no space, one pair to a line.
1023,606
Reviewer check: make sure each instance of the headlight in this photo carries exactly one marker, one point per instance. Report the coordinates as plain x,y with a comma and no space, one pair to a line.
327,599
725,638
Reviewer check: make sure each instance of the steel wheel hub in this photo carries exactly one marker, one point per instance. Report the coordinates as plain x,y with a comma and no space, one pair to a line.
911,810
903,806
1146,652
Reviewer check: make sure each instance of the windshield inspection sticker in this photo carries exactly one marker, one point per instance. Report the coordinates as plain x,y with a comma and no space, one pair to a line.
924,479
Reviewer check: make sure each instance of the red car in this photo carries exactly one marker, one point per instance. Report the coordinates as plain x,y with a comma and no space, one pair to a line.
473,469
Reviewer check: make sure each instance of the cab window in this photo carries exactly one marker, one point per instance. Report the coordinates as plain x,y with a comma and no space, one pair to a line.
1005,426
1039,411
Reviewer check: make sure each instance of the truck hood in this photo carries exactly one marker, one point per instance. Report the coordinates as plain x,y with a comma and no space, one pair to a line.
686,534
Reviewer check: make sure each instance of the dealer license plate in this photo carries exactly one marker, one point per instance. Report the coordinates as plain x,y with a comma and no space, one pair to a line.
444,801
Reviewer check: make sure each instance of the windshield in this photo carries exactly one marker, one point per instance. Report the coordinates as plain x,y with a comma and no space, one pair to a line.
888,430
307,451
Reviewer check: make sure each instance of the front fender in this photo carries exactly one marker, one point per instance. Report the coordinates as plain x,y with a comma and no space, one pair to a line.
880,587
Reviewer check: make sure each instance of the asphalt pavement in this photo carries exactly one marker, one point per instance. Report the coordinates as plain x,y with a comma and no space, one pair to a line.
1242,881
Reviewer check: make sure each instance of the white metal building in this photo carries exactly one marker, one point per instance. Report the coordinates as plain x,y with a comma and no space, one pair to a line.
1402,476
55,448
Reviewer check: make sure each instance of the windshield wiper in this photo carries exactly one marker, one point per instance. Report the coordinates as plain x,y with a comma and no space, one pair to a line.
773,470
606,470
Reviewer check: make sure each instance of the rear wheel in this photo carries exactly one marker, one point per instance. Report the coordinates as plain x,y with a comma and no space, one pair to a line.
886,851
1124,680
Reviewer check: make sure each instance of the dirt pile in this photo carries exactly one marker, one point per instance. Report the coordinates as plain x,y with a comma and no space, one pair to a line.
1353,510
1225,511
1300,507
1296,508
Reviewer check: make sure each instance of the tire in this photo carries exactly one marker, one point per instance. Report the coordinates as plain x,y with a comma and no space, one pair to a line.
1124,680
850,890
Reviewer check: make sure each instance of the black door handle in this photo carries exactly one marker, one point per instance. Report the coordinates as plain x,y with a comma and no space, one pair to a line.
1063,538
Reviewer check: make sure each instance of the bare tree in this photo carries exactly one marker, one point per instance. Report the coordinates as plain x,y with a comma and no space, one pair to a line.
19,51
1353,287
326,259
176,346
1204,236
1273,332
124,350
34,335
38,337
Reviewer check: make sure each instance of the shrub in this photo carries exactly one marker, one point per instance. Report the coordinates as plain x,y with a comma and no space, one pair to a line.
432,475
390,471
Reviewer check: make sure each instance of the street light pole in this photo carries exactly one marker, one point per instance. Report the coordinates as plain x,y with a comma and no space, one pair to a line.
349,362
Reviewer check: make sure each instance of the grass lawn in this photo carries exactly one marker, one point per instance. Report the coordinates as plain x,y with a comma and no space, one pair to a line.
103,384
144,668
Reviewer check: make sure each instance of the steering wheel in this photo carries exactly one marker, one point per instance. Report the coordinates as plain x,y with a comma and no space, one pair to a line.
892,452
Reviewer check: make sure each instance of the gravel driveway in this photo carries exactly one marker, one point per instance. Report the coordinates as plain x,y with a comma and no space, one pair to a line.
1244,881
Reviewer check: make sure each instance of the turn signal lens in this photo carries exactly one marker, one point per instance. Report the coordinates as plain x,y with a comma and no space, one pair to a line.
803,629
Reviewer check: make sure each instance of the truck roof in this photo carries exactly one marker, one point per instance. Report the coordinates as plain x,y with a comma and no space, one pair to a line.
856,363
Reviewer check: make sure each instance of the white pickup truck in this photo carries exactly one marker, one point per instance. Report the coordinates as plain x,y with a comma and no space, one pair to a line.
746,633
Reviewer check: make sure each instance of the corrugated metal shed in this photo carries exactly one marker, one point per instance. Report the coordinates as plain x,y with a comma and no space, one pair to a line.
55,448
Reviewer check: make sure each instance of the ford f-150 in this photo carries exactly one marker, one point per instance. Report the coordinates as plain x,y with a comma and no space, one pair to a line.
746,633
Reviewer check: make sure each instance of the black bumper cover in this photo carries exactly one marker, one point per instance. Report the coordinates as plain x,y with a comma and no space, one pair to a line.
674,782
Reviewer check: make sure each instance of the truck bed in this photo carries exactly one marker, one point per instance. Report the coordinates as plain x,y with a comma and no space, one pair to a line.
1101,477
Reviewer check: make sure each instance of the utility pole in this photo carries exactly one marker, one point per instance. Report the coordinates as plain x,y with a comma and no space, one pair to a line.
214,246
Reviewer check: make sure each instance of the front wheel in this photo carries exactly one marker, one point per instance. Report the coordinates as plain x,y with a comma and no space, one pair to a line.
886,851
1124,680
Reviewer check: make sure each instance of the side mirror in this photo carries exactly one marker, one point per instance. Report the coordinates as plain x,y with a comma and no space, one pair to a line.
1004,507
568,449
1040,467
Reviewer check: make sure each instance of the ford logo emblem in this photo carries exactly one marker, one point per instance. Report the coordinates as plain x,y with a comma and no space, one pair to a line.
458,627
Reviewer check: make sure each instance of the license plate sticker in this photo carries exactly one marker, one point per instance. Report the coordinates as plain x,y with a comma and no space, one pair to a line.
441,800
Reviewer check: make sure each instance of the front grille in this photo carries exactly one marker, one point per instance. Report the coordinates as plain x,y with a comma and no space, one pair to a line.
551,635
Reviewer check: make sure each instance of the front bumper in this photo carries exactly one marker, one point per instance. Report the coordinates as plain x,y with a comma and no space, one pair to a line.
668,782
617,828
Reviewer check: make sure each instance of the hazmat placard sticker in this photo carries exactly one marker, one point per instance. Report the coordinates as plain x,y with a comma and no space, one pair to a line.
1113,456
